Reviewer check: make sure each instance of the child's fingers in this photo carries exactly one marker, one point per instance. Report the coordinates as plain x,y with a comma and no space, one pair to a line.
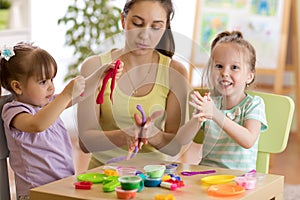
208,96
77,85
199,101
196,98
197,94
200,117
194,105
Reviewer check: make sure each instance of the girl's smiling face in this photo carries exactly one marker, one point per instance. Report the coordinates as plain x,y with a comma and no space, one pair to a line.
230,71
144,26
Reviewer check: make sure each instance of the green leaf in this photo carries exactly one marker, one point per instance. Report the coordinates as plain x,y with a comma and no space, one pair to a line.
89,23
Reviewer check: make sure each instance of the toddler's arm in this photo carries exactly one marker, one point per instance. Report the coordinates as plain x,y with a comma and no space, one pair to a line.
47,115
245,135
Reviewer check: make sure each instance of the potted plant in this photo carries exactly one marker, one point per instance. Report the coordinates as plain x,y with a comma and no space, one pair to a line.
88,23
4,13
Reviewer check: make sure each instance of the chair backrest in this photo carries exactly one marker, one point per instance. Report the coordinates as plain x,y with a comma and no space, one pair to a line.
279,113
4,153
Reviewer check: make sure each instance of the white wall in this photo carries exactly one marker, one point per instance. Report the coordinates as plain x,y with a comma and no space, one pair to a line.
47,34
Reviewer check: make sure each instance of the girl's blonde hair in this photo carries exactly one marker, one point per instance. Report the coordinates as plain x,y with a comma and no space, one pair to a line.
235,37
28,61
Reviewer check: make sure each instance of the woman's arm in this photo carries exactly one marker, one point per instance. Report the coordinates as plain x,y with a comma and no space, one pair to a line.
91,137
176,105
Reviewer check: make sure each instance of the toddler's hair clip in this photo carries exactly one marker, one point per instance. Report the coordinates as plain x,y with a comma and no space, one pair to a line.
7,52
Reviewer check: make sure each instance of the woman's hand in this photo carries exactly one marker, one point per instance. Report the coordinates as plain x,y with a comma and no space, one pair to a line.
111,66
120,69
142,133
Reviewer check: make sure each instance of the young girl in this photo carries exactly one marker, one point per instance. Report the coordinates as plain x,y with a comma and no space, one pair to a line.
39,144
232,119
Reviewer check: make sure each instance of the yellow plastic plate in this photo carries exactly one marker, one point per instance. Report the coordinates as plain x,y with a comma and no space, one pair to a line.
218,179
225,189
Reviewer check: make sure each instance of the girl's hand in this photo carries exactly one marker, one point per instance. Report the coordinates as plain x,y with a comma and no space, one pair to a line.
203,106
75,87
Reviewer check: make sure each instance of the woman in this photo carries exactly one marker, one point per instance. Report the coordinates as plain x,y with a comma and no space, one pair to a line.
150,77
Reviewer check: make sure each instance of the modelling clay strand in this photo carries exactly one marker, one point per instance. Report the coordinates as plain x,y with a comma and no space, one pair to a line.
115,160
110,74
130,154
140,108
113,81
100,96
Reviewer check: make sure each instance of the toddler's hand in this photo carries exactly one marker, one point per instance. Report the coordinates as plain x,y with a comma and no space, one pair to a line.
79,86
75,87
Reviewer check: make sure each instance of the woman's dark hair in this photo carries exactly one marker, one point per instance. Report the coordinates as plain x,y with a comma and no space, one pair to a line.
166,44
28,61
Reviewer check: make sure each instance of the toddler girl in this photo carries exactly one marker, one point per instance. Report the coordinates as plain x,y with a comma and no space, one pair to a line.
39,144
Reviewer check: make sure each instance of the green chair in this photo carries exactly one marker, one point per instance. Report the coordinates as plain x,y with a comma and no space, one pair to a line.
279,113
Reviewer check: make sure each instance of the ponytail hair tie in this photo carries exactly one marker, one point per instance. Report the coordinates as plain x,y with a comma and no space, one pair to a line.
7,52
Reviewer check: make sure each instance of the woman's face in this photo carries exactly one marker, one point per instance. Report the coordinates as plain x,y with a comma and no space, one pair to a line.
144,26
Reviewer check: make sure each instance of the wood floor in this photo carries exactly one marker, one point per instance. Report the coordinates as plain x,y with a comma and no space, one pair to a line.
286,163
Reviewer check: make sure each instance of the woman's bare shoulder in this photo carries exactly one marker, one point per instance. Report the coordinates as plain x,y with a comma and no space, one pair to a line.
179,67
89,65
